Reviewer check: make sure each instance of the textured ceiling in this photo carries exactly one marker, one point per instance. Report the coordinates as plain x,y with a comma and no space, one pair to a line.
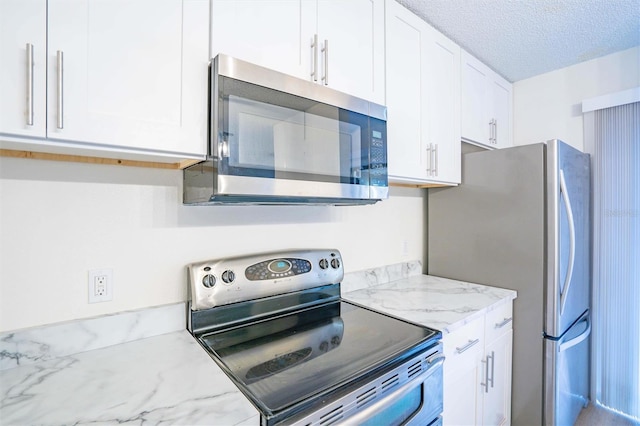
522,38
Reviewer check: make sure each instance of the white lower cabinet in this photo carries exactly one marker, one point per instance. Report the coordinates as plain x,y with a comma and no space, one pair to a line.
477,371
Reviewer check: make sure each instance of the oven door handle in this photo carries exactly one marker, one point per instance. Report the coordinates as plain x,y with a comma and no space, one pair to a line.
380,405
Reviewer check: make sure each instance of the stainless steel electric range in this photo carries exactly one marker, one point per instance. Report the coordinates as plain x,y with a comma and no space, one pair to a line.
278,327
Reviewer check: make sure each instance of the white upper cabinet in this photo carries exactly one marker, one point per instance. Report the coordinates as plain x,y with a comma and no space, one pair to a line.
23,59
121,75
282,35
423,101
351,56
486,105
264,32
129,73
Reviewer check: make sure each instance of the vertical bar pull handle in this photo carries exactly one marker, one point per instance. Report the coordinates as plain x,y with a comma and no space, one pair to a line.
325,49
314,47
435,154
429,160
495,131
29,84
486,374
60,66
493,368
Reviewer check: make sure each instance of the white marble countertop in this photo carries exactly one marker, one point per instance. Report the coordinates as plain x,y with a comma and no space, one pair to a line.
436,302
162,379
65,374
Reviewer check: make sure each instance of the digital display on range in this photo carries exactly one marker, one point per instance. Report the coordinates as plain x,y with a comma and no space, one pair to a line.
277,268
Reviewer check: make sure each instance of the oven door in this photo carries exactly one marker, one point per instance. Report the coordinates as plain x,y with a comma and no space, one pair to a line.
417,403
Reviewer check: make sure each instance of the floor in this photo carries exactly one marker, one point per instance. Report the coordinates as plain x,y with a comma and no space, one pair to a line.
596,416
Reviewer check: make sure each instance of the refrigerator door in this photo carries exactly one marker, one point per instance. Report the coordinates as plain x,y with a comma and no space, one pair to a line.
566,377
491,230
568,278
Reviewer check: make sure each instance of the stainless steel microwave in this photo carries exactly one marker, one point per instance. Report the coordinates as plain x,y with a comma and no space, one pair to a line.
277,139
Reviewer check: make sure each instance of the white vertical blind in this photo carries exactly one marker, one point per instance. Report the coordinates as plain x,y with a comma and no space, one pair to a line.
616,252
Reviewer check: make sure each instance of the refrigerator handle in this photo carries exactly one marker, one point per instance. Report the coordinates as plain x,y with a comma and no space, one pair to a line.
572,242
581,337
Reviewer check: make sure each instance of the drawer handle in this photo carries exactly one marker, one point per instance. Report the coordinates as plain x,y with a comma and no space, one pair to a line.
503,323
470,344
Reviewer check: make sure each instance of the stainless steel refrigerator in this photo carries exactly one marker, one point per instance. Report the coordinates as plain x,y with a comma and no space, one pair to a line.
520,220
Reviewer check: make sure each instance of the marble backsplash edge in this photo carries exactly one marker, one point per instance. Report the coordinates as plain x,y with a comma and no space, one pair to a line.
28,346
372,277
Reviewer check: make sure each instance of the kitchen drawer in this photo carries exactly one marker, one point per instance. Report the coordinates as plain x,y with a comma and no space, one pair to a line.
464,345
498,321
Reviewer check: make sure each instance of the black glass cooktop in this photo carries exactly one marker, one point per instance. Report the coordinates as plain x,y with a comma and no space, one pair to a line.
284,360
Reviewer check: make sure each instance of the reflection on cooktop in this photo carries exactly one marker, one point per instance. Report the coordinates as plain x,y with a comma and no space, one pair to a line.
278,364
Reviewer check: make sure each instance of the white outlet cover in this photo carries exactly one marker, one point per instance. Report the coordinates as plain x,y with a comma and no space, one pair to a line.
100,285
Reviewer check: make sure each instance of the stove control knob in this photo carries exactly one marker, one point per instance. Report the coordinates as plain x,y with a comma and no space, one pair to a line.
335,263
209,281
324,263
228,276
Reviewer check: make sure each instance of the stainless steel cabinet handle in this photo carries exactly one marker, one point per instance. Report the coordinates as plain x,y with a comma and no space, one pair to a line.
435,155
29,84
60,89
466,347
503,323
493,367
428,149
325,49
485,384
495,131
314,47
486,371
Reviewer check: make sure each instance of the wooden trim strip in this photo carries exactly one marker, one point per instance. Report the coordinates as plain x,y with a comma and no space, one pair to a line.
95,160
417,185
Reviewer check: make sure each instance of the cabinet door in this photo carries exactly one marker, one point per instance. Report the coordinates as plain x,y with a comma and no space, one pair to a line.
475,100
442,80
23,69
502,103
406,106
462,403
267,33
497,398
354,62
129,73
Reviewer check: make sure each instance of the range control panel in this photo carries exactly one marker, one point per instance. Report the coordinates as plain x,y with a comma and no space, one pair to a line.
223,281
277,268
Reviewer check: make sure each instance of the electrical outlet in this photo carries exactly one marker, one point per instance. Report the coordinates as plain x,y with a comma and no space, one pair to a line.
405,248
100,285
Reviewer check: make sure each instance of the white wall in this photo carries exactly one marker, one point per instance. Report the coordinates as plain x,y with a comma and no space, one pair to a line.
58,220
548,106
